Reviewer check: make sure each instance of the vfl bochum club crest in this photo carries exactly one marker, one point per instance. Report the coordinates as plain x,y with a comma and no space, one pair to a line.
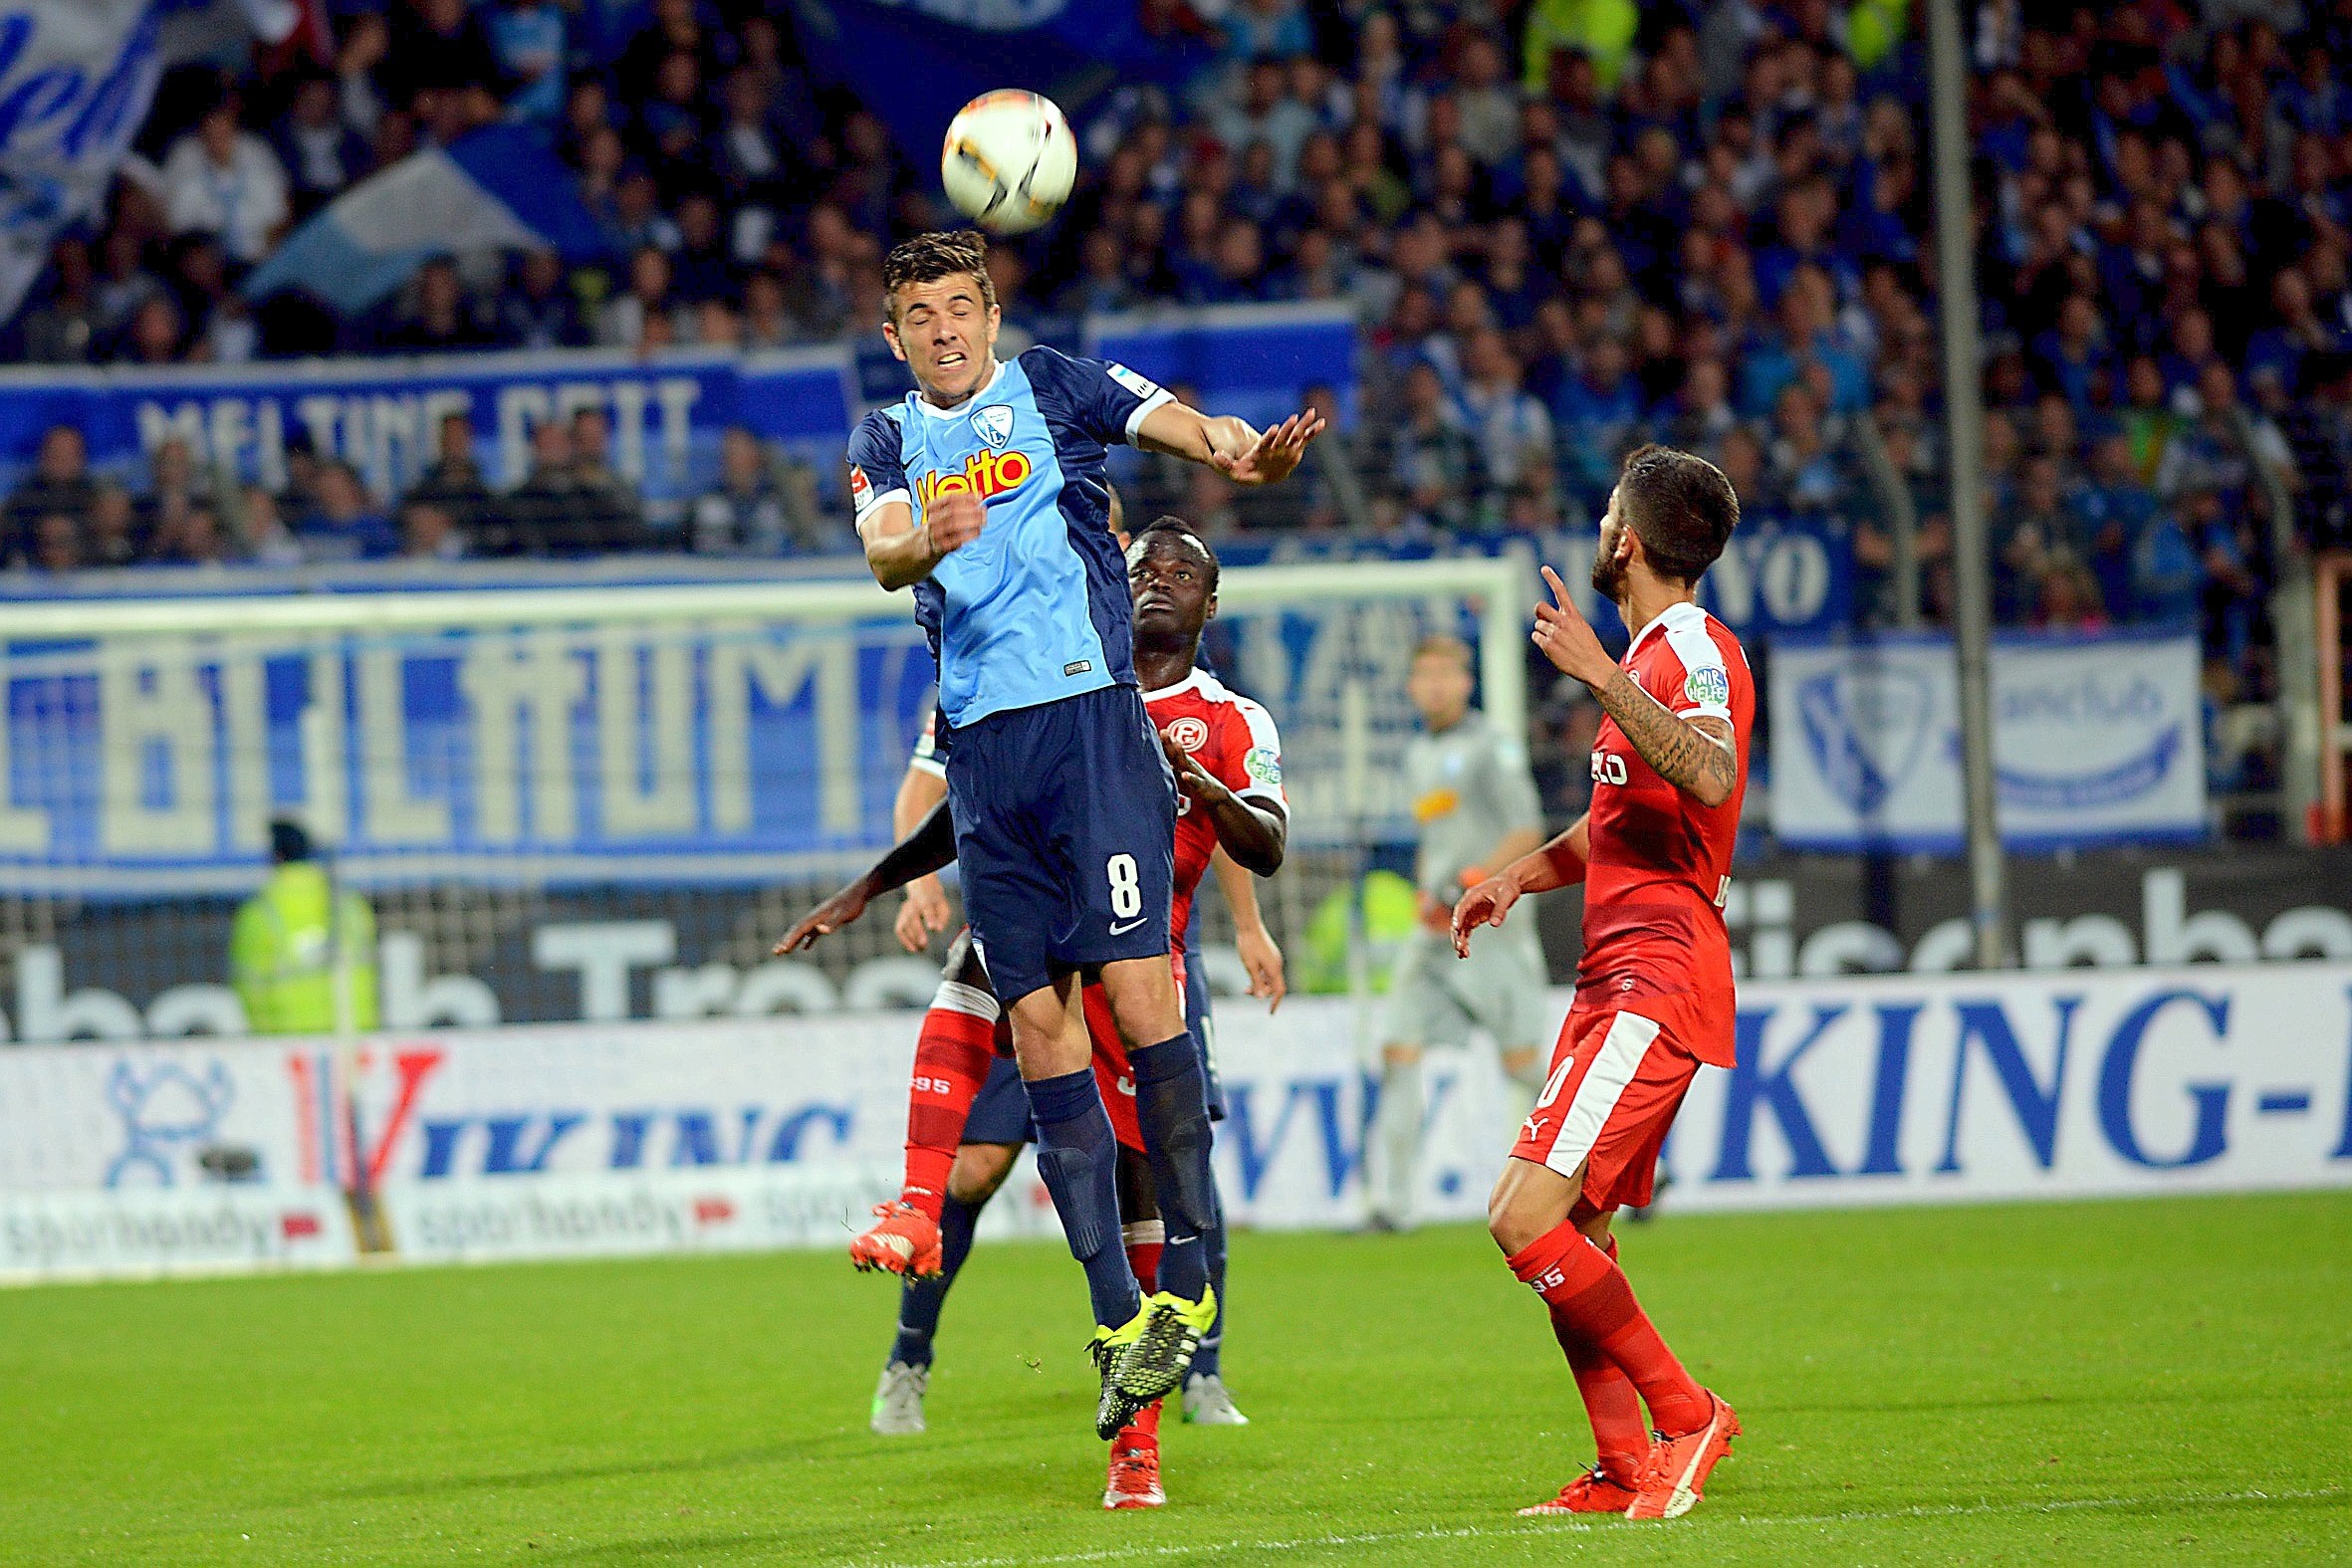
994,424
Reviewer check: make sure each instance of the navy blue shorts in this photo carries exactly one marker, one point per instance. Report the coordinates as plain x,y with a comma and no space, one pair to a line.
1065,836
1000,1112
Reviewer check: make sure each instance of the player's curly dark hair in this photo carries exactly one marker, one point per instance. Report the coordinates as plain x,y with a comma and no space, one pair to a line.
1168,524
1681,508
927,258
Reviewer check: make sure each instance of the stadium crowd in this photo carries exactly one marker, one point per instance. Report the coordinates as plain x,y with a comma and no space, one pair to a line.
1565,227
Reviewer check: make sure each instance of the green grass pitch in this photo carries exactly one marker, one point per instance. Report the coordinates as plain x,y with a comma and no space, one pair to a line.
2122,1382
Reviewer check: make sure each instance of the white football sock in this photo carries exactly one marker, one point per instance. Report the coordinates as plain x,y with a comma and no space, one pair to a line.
1397,1143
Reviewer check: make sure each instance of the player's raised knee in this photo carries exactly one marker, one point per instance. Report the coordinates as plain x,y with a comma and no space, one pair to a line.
1528,1201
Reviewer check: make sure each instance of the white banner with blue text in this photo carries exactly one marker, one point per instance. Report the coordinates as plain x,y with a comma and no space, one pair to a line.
2096,740
724,1134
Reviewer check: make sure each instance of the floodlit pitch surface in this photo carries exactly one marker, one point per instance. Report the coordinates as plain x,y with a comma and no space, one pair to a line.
2126,1382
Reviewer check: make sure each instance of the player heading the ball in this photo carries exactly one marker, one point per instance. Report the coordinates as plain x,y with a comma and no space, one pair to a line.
1065,804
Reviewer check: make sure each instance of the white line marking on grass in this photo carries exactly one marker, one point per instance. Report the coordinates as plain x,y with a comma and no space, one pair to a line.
1117,1554
1141,1553
2058,1505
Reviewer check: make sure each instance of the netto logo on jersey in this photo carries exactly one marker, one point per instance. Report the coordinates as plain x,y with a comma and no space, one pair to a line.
985,474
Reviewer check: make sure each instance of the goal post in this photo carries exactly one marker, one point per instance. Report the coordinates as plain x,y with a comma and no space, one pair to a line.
587,803
1499,585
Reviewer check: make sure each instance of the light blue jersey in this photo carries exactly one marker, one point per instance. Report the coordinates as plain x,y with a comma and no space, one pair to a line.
1035,609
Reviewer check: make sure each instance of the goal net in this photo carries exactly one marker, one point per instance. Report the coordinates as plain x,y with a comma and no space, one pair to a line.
585,804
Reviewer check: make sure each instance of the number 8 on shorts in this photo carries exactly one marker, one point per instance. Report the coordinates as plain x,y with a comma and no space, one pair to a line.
1127,886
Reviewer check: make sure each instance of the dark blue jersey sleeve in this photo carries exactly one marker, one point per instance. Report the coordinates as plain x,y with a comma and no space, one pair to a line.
877,472
1107,400
933,744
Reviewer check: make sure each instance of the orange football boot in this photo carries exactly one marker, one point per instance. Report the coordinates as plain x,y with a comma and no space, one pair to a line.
905,1240
1134,1480
1673,1476
1591,1492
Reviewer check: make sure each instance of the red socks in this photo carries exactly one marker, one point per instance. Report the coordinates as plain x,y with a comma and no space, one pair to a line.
1592,1307
1145,1240
953,1056
1620,1438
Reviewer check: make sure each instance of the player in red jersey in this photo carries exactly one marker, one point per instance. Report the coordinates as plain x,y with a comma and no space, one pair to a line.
1654,992
1227,758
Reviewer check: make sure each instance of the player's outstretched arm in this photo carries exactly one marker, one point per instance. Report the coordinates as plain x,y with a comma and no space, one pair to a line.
1697,755
920,853
1559,863
1254,832
925,913
1260,956
1228,445
1511,847
901,552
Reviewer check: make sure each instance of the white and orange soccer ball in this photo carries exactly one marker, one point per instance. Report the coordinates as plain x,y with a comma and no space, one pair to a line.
1009,160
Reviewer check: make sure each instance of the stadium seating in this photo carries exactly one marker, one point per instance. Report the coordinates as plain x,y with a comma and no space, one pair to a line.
1711,231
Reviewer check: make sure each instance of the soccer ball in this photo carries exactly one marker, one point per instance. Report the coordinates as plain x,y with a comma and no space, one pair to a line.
1009,160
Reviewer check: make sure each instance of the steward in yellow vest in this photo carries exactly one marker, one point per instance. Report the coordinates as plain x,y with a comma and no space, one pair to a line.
285,947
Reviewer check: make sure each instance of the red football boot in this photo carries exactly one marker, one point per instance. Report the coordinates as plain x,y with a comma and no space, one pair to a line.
1676,1470
1134,1480
905,1240
1591,1492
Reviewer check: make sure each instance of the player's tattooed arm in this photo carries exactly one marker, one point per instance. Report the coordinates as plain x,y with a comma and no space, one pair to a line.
1697,755
921,852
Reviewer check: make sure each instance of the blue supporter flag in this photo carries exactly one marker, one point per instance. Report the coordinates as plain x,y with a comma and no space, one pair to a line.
939,54
497,189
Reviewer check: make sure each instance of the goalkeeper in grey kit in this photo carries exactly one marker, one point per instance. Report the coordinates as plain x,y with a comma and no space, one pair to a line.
1470,792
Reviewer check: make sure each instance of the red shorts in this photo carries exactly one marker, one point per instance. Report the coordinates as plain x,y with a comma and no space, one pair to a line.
1112,1075
1617,1078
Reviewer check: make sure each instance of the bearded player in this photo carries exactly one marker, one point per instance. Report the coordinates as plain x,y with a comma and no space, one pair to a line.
982,490
1654,995
964,1128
